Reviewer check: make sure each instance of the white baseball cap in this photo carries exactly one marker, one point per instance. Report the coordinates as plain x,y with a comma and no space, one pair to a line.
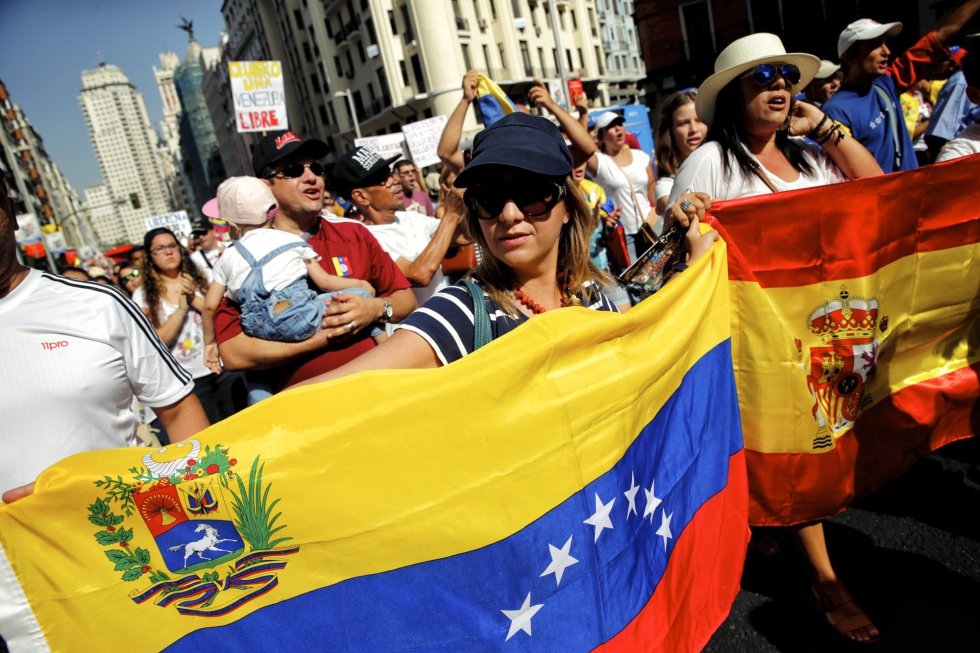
246,201
607,118
864,29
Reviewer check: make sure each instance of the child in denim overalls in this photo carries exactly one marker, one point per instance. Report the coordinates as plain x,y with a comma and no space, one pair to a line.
275,300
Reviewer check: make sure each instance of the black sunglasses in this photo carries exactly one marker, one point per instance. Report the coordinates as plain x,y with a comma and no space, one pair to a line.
293,170
765,73
533,200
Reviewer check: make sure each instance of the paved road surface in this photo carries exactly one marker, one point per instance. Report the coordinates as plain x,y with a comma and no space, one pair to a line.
910,554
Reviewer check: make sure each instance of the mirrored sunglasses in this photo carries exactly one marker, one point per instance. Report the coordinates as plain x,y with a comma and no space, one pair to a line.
294,170
765,73
533,200
135,274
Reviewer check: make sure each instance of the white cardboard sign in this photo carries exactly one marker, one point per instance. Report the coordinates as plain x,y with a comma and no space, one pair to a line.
257,90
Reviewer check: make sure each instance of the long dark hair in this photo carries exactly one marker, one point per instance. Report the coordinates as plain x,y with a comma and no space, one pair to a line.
729,132
664,147
151,276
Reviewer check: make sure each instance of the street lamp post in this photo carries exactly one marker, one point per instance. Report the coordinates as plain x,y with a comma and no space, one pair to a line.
352,108
559,58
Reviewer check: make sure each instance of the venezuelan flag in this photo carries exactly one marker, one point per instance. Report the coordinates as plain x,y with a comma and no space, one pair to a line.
854,331
493,102
577,484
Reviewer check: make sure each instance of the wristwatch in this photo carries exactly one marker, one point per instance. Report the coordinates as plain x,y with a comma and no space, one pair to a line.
387,313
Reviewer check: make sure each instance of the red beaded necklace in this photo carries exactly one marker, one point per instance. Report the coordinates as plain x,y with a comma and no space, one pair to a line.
532,305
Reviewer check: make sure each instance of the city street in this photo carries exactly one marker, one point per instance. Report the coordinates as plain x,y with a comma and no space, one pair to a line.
910,554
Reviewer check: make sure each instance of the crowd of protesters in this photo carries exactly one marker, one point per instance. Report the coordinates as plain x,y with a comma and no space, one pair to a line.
521,218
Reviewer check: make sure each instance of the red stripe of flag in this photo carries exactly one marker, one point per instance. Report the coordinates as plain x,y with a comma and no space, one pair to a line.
793,239
887,439
715,537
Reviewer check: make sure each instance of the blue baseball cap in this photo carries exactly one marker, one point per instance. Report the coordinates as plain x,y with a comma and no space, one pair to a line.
521,141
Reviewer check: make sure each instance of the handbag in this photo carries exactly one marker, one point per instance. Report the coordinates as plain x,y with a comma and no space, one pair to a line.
614,240
653,268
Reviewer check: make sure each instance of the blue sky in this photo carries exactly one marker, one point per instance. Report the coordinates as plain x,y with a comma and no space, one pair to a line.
44,46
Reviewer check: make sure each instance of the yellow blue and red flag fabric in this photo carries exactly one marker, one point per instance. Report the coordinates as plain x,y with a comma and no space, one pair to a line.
577,484
491,99
854,332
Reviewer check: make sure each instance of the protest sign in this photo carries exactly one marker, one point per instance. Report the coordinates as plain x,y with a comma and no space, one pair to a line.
177,222
258,95
387,145
423,139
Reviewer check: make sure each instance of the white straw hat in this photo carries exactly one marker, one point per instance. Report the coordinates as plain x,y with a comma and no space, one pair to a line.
864,29
741,56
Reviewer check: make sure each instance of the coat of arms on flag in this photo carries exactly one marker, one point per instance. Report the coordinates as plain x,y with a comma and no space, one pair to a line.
194,524
841,367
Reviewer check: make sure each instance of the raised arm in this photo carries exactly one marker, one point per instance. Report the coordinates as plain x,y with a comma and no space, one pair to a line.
850,156
425,265
448,149
583,147
953,21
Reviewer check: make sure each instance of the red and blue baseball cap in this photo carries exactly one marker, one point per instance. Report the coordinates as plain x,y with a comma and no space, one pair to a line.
521,141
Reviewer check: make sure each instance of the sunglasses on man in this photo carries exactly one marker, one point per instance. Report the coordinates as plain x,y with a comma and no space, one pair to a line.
765,73
293,170
534,199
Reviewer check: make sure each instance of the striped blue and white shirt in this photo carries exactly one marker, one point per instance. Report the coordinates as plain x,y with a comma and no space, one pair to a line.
445,321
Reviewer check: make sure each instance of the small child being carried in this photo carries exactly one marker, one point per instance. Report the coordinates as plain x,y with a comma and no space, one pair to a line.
266,272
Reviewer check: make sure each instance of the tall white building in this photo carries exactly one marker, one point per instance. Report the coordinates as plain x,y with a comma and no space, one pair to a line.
134,183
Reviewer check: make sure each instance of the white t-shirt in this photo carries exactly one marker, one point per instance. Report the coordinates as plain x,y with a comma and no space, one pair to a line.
232,269
662,187
74,354
206,260
703,172
613,178
406,237
967,142
188,348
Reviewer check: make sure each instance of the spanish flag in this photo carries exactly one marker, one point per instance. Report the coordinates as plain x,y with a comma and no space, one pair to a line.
577,484
854,332
493,102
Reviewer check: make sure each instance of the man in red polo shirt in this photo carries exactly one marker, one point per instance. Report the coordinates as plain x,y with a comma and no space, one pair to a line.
290,166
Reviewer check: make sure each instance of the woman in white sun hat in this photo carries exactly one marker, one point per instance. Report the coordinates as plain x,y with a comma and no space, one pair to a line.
754,147
751,147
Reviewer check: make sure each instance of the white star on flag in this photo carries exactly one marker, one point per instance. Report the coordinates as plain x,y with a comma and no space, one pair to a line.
631,496
664,530
600,518
520,619
560,561
652,502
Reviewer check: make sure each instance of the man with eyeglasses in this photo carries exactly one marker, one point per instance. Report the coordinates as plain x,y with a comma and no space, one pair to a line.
208,251
290,165
416,242
413,198
74,355
868,101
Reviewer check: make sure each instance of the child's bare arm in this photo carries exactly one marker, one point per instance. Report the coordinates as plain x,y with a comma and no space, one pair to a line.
330,282
215,292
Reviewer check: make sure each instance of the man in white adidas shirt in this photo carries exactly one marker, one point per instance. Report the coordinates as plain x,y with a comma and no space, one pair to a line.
74,354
